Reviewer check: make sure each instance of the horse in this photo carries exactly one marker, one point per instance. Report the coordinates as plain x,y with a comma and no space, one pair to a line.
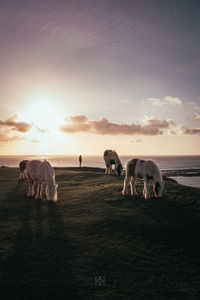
143,169
40,172
111,158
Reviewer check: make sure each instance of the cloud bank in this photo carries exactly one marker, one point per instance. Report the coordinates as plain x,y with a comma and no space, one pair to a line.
81,123
150,127
184,130
14,125
4,138
11,125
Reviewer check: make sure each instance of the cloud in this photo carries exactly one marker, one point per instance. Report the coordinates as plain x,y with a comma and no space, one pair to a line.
156,101
164,101
150,127
77,119
10,125
184,130
125,101
14,125
81,123
172,132
155,122
195,105
197,116
4,138
173,100
34,141
40,129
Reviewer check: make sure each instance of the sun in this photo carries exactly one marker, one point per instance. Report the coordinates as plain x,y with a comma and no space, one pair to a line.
45,120
44,115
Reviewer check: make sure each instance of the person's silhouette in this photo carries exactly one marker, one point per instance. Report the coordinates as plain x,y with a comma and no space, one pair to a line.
80,160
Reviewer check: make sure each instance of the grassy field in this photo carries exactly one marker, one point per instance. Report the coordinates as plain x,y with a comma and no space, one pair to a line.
96,244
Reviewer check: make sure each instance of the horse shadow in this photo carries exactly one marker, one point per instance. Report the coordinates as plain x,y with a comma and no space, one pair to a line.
39,265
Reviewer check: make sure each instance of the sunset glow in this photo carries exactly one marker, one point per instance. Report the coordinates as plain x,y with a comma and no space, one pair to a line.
44,116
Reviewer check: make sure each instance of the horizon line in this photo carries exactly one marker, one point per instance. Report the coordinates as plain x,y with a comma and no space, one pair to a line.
143,155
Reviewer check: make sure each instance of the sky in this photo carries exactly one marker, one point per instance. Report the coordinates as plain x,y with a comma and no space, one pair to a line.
82,76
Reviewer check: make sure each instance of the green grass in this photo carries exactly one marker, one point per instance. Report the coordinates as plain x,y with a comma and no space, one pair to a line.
146,249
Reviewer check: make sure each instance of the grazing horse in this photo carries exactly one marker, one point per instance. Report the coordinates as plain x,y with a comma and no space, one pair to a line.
111,158
22,168
146,169
38,171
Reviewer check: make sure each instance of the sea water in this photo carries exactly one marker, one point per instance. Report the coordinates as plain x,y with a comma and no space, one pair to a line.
187,181
164,162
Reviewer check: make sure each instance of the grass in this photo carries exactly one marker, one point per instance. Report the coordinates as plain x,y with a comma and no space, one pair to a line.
145,249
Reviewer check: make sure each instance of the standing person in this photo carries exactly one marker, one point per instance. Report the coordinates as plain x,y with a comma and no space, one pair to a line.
80,160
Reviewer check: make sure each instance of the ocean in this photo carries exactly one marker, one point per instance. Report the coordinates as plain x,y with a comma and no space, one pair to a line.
164,162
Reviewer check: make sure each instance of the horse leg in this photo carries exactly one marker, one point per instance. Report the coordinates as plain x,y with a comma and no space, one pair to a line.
132,185
126,182
110,169
30,187
115,171
107,166
33,188
146,189
41,191
38,195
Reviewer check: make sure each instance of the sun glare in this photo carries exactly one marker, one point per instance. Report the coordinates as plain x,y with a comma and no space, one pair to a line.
44,116
45,120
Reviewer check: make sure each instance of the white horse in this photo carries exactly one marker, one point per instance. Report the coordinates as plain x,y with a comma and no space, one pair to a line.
146,169
38,171
111,158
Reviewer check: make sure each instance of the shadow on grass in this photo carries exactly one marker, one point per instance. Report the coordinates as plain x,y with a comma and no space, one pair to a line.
39,264
160,222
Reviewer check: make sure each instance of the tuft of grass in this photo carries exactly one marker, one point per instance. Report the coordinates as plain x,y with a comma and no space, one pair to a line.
96,244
